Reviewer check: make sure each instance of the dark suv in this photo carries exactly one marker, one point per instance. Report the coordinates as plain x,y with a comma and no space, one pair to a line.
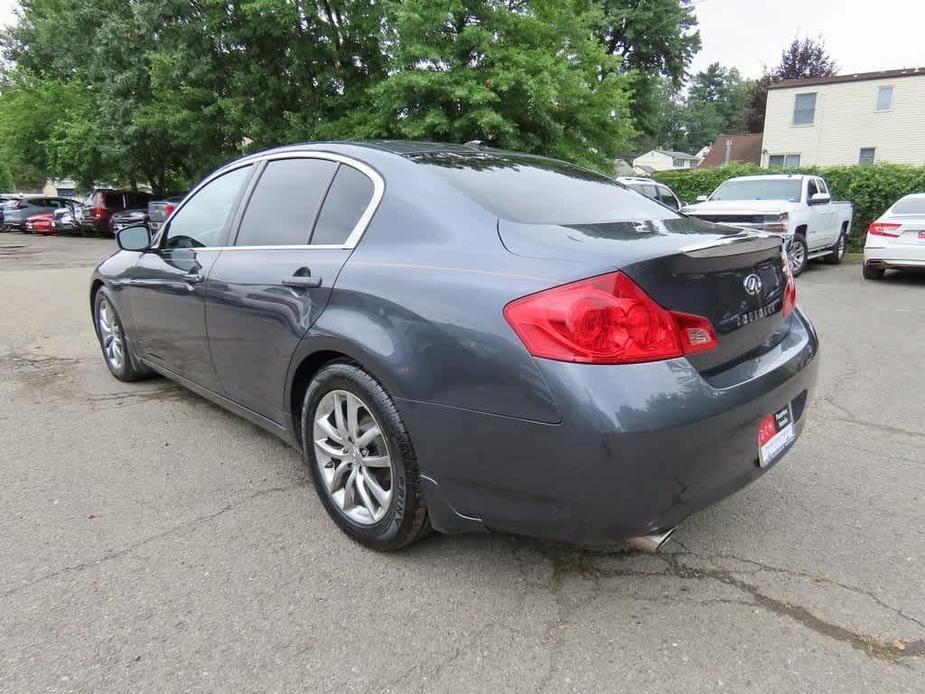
100,204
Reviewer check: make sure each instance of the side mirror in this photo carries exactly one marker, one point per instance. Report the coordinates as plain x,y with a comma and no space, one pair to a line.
820,199
136,238
702,198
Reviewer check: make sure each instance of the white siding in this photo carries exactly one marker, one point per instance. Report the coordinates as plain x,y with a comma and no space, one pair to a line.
847,120
656,160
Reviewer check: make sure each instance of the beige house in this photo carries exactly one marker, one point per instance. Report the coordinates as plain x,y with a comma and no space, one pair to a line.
846,119
663,160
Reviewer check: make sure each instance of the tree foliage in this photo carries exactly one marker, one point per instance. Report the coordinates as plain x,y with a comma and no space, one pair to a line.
713,105
161,91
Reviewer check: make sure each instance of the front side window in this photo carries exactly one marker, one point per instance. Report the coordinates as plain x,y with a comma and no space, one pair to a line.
884,98
344,205
201,221
866,155
804,109
666,198
285,202
811,188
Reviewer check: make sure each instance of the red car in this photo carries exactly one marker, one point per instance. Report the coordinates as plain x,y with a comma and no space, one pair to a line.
40,223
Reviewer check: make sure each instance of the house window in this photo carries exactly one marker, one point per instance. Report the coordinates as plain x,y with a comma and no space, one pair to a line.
867,155
784,161
804,109
679,163
884,98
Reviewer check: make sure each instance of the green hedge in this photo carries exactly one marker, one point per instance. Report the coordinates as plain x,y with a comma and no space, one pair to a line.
872,189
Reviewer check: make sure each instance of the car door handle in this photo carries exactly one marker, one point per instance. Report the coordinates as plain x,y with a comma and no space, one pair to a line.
193,278
302,281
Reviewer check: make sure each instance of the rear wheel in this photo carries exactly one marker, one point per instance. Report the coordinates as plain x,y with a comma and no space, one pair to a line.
798,253
361,460
116,352
872,273
838,251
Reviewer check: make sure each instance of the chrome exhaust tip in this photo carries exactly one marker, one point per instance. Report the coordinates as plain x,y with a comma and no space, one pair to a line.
651,543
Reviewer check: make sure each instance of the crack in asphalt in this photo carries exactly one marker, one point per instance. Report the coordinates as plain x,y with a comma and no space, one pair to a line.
176,530
582,564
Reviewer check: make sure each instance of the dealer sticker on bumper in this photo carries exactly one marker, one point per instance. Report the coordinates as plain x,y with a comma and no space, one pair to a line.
774,434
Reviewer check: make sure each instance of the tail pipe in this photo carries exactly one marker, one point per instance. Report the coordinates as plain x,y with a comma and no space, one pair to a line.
651,543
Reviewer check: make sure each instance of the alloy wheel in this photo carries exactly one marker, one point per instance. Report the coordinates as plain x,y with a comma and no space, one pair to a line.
110,335
353,457
797,255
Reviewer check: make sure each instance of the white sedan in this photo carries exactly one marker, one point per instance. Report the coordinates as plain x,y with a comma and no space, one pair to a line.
897,238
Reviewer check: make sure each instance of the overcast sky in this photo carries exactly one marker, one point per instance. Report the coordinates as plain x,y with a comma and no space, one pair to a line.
862,35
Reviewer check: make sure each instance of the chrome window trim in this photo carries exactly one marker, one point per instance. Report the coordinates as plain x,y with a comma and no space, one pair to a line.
352,239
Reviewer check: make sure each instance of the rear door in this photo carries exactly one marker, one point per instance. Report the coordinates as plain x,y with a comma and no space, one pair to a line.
297,230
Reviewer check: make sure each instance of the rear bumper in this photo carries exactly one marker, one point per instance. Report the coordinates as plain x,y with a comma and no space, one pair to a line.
896,255
640,447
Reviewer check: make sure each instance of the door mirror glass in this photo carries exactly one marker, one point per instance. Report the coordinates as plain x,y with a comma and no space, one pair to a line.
137,238
820,198
701,198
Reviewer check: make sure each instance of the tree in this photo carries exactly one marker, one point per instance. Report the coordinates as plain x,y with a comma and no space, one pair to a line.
522,76
655,39
802,59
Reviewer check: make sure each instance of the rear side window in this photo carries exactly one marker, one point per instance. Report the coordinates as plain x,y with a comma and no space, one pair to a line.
346,201
534,190
283,206
113,201
650,192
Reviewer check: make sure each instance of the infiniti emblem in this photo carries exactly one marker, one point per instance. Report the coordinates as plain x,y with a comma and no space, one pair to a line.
753,284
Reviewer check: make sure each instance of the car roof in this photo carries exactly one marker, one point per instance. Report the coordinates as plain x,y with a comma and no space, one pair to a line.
640,179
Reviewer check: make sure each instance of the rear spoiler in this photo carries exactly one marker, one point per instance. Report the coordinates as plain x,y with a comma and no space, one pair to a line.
738,244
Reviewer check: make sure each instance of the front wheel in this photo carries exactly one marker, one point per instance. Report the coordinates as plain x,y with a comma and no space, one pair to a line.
361,460
116,352
798,253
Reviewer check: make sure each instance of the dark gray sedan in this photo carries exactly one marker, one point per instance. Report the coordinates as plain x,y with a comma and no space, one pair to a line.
468,339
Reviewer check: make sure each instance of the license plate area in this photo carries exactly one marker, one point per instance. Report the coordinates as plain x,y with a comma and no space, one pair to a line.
775,433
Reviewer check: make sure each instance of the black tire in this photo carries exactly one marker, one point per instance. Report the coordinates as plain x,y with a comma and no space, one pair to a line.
872,273
405,519
838,250
798,264
130,369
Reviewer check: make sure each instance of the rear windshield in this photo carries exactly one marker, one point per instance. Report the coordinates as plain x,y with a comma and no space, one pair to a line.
533,190
910,205
757,189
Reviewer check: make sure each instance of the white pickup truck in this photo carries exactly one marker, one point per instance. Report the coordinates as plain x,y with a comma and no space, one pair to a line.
798,207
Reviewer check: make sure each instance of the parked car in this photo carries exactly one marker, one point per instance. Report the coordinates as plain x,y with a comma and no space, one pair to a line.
160,210
100,204
65,219
652,189
128,218
17,212
468,338
798,207
896,240
38,223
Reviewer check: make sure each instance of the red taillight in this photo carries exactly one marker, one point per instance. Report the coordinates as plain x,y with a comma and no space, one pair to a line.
605,320
883,229
168,210
99,211
790,289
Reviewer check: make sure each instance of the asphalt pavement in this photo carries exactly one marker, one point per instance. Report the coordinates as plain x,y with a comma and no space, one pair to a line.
152,542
